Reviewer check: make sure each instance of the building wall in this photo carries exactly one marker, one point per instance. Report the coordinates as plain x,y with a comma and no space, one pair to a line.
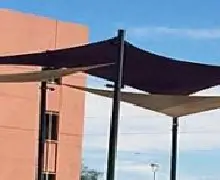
19,117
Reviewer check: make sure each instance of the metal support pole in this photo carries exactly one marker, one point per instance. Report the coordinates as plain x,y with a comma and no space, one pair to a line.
41,135
174,149
115,109
154,175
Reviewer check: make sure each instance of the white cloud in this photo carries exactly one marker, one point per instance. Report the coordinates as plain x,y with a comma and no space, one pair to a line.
199,177
131,166
205,33
142,130
137,170
145,131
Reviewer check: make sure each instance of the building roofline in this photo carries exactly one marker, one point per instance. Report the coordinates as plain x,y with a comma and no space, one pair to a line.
41,17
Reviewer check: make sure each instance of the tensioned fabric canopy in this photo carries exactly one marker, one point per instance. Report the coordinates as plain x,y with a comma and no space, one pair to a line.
171,105
142,70
37,76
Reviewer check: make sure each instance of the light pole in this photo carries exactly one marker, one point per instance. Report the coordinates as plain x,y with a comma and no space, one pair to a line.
154,168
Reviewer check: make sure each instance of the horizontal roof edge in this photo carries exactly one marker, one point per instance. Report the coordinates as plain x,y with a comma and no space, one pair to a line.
40,16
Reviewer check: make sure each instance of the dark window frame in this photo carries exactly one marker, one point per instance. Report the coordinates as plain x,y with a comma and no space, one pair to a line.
49,176
52,125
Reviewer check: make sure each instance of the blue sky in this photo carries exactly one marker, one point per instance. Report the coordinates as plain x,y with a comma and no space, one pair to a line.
187,30
104,18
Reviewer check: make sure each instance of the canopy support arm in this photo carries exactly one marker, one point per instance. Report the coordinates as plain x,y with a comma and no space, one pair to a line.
174,149
115,109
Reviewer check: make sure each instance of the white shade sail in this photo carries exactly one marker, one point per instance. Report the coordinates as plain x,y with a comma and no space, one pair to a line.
173,106
35,76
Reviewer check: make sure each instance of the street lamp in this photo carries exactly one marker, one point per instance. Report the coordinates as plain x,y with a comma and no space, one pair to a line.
154,168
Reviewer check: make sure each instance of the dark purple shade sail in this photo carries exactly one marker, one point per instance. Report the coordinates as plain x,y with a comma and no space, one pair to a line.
142,70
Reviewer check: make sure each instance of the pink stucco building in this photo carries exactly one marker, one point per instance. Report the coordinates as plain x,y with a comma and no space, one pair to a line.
19,117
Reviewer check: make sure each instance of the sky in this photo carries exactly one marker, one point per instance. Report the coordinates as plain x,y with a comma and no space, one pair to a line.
187,30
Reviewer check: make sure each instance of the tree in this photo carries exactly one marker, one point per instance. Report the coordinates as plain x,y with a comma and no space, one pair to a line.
89,174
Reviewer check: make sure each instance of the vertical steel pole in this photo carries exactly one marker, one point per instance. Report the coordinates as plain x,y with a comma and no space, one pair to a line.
115,109
41,135
154,175
174,149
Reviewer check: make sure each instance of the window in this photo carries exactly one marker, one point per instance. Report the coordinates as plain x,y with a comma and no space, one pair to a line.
52,119
51,140
57,81
48,176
